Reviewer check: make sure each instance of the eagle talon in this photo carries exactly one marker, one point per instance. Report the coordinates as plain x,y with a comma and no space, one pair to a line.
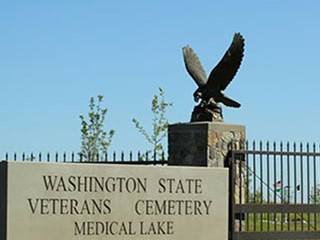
197,96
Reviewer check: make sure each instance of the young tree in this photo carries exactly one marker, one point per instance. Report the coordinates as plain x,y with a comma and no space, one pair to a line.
160,124
94,139
255,197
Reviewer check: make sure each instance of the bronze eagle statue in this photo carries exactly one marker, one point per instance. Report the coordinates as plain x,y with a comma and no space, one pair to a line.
210,89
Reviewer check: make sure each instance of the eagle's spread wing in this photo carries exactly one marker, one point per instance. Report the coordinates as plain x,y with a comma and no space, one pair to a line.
228,66
194,66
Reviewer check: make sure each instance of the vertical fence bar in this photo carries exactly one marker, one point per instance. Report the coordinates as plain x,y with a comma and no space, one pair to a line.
294,181
240,163
162,158
288,186
274,182
282,184
268,184
254,186
261,184
247,184
300,189
308,182
315,184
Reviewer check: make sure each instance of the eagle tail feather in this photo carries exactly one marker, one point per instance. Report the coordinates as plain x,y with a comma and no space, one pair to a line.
229,102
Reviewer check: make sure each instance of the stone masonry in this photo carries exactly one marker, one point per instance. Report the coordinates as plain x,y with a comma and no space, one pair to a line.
203,143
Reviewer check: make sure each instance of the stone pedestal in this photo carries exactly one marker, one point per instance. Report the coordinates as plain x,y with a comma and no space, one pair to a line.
203,143
207,144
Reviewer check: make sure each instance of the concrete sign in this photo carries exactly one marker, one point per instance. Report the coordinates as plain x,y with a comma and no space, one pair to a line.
99,201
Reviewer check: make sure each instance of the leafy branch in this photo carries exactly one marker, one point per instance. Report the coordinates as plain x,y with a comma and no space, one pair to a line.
160,124
94,139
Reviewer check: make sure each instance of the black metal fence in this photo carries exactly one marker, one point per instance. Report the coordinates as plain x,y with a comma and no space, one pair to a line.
119,158
275,192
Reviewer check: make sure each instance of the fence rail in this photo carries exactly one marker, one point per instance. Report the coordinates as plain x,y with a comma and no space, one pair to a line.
114,157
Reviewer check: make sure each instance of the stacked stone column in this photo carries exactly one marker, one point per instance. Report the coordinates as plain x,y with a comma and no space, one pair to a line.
207,144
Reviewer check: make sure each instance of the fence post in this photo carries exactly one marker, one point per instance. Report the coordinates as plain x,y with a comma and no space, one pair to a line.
230,164
3,199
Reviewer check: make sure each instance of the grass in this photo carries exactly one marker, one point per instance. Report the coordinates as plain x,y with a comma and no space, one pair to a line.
282,222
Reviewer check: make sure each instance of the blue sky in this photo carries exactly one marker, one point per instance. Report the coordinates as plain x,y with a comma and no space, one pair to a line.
55,55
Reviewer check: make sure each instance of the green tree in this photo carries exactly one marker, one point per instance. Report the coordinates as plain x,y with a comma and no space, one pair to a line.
94,139
255,197
315,194
160,124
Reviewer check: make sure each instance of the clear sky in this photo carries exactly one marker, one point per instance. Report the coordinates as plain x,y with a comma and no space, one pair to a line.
55,55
